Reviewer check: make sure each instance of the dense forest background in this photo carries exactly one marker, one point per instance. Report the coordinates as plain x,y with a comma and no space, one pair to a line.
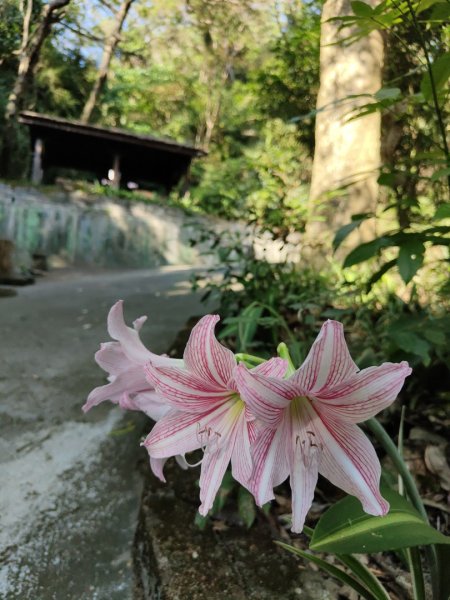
323,122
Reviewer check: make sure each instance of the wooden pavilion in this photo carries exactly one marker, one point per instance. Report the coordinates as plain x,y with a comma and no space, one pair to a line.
109,153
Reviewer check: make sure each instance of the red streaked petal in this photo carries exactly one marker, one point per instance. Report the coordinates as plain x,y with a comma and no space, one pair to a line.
128,382
274,367
328,362
266,397
213,469
270,460
241,458
179,432
206,357
304,456
349,461
184,390
365,394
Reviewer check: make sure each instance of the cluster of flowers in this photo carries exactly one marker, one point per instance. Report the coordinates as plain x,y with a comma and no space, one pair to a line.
269,421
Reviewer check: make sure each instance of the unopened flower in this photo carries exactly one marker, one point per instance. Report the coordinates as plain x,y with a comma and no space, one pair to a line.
310,424
207,411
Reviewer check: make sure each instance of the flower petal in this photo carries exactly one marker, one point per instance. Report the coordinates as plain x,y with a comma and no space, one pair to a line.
206,357
241,458
179,432
328,362
270,460
150,403
349,461
304,457
129,338
112,359
128,382
267,397
214,466
365,394
157,466
184,390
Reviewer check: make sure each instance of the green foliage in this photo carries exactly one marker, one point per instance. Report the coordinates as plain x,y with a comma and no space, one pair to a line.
414,106
345,528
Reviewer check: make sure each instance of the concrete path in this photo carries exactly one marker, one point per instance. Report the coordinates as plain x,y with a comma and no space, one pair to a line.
69,488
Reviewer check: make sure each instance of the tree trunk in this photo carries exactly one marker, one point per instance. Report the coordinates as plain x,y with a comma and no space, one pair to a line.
108,50
29,55
347,152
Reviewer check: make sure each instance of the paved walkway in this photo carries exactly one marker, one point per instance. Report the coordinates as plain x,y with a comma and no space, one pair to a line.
69,489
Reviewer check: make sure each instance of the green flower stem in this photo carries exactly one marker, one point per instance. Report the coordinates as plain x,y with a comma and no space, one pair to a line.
415,567
242,357
283,352
413,494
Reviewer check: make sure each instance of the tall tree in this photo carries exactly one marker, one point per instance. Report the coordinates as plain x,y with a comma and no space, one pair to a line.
29,53
347,150
111,42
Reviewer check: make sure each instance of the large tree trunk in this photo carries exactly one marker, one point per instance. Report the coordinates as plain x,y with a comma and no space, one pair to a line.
347,152
28,58
108,50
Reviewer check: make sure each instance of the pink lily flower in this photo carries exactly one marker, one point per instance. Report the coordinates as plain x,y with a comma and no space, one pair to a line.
310,424
124,362
207,411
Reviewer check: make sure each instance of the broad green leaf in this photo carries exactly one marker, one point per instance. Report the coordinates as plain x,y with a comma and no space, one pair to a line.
441,12
442,212
246,507
425,4
388,93
361,9
412,343
441,72
331,569
410,259
346,529
365,251
346,230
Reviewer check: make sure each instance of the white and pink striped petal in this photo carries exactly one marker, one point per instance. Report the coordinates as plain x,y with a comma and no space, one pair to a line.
365,394
206,357
328,362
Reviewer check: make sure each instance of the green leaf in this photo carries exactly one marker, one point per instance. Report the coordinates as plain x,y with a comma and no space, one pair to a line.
441,12
331,569
364,575
441,72
410,259
246,507
442,212
379,274
412,343
361,9
346,230
388,93
365,251
425,4
440,174
346,529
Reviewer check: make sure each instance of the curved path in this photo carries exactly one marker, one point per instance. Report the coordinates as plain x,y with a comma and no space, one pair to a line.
69,487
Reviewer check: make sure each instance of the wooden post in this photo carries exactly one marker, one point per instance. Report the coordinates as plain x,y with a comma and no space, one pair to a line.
114,173
36,171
